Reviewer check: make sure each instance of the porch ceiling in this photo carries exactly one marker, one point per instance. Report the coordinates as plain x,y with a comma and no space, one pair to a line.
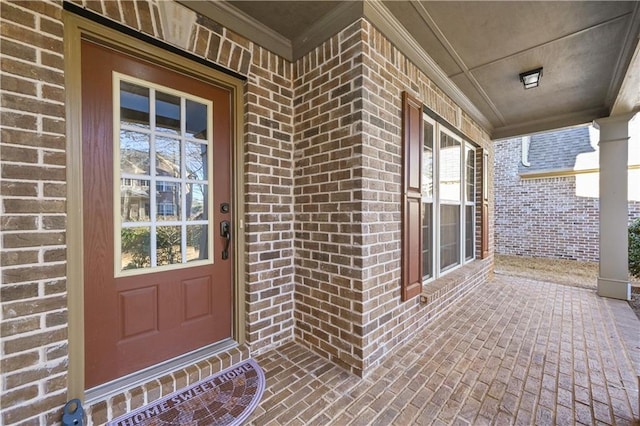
476,50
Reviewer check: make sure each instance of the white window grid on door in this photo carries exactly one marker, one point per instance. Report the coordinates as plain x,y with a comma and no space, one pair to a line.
152,179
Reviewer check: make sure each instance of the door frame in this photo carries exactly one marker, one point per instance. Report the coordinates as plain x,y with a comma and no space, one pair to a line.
77,28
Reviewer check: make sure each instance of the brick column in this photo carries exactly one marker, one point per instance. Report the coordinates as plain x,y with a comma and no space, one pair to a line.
613,277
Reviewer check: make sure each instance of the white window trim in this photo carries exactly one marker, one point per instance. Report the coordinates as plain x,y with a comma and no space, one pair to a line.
462,203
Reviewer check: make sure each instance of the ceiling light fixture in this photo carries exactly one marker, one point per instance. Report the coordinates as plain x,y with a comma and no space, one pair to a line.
531,79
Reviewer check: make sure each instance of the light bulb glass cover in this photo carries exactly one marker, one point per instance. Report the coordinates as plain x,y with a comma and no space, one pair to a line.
531,79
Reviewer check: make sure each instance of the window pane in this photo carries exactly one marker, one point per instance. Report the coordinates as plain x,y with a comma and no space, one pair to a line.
169,245
167,113
450,174
427,161
134,200
197,200
197,243
134,105
134,153
427,241
135,243
164,178
168,200
470,177
196,120
449,236
469,236
167,157
196,161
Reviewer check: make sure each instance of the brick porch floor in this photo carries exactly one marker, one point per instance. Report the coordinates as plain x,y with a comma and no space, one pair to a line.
513,351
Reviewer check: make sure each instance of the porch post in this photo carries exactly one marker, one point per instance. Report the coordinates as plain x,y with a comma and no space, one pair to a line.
613,277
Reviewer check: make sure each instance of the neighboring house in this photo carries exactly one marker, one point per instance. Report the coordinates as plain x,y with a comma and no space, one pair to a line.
547,193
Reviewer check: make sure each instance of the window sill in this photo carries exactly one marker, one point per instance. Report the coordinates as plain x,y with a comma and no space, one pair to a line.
440,287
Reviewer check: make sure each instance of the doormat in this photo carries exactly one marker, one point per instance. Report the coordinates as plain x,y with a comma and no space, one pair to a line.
226,398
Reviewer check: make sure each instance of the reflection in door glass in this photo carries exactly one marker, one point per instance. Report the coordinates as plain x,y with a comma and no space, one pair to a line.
134,105
167,157
196,120
169,245
196,161
134,200
164,194
197,198
197,242
168,200
167,113
135,248
134,152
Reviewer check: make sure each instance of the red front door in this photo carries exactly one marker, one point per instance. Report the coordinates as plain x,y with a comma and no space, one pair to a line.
156,207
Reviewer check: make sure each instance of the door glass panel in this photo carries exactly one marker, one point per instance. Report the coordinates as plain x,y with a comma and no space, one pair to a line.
163,173
134,200
196,202
134,152
196,161
196,120
167,157
168,245
197,242
167,113
134,105
168,201
136,243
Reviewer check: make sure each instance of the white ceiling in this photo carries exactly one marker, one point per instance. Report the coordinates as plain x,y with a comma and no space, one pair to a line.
475,50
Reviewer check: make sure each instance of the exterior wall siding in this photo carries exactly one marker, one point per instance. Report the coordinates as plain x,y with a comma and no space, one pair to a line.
543,217
322,173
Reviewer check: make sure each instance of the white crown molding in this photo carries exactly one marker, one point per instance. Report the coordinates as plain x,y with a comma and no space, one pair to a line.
551,123
437,31
627,63
236,20
382,18
628,99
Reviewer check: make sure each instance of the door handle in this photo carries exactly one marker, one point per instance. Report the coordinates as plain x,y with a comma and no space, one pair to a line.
225,231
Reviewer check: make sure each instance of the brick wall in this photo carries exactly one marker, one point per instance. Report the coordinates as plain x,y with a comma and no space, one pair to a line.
347,198
328,198
33,157
387,321
322,173
543,217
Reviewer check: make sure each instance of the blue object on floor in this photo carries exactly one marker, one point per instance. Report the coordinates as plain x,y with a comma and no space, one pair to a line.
73,414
